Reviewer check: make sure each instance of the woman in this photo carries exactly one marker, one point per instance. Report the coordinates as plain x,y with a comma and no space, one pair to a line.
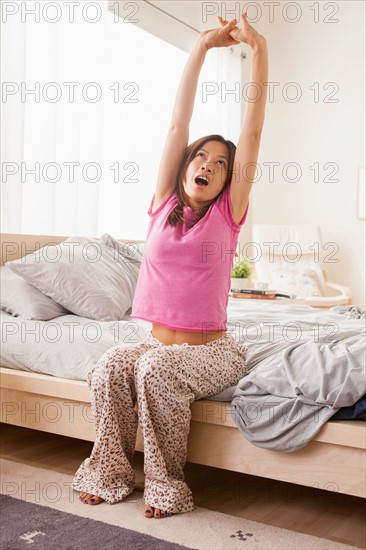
196,214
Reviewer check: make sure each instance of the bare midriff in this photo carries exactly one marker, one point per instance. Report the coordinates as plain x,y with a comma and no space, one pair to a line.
169,336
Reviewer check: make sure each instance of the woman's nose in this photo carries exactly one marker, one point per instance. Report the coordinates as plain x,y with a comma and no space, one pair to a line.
206,166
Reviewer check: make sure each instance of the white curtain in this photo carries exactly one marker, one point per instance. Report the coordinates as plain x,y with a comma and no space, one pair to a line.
81,155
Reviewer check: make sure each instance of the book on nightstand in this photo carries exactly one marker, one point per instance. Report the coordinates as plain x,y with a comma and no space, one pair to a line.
247,295
252,291
258,294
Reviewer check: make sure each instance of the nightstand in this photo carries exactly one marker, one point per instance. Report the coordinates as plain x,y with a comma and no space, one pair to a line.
310,302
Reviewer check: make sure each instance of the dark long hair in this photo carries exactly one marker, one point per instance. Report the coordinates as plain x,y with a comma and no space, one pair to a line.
183,199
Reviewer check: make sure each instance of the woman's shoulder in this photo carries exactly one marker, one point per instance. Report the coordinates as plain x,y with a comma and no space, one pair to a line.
224,204
158,203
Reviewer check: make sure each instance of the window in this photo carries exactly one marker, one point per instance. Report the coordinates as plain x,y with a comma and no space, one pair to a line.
84,155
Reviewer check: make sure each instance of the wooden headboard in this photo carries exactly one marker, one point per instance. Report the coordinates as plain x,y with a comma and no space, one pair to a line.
14,246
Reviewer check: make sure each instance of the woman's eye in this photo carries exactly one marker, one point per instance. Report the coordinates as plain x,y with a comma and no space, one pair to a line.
200,155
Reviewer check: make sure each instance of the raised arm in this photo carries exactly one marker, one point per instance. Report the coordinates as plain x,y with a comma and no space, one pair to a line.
178,133
249,141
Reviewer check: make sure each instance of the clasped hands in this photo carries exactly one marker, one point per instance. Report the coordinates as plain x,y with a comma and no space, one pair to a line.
228,34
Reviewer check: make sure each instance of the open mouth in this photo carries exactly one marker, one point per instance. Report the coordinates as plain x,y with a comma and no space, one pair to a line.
201,180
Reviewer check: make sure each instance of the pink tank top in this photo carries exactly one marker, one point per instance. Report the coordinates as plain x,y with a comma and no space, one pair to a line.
184,279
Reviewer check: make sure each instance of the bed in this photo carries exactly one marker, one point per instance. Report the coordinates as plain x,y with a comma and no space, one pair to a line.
51,395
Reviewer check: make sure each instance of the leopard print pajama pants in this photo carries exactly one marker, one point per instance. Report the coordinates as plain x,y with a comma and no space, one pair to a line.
165,380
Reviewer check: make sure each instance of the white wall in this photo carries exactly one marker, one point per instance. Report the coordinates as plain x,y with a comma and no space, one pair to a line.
307,132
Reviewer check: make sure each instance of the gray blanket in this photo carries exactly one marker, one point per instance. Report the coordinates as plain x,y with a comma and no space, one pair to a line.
283,403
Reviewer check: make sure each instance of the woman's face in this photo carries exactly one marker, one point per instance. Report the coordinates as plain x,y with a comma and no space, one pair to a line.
206,174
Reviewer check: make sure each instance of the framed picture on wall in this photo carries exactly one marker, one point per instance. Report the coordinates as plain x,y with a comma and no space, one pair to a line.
361,193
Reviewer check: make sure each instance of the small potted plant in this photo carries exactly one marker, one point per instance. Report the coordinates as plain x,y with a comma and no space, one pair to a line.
240,275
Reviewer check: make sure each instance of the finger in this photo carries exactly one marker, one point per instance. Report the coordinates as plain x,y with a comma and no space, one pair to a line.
234,33
222,21
231,23
233,42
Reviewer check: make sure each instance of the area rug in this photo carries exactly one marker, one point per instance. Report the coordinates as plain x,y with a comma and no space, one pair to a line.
54,509
24,523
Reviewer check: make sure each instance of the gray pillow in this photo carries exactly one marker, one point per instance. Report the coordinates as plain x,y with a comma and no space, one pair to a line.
87,276
130,251
21,299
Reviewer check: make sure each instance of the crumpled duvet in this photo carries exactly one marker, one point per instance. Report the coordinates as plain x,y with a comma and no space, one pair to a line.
351,312
283,403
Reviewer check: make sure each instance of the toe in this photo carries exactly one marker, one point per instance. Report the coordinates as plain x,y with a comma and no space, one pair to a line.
84,497
88,498
162,513
149,511
94,500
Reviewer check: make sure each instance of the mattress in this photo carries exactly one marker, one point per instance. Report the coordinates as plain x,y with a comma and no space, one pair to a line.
69,346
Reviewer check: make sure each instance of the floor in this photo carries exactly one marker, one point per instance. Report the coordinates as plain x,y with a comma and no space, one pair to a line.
307,510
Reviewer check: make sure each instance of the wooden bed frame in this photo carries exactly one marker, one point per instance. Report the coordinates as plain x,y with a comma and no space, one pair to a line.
334,460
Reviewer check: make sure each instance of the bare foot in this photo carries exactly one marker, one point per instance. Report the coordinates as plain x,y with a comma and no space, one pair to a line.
88,498
150,512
